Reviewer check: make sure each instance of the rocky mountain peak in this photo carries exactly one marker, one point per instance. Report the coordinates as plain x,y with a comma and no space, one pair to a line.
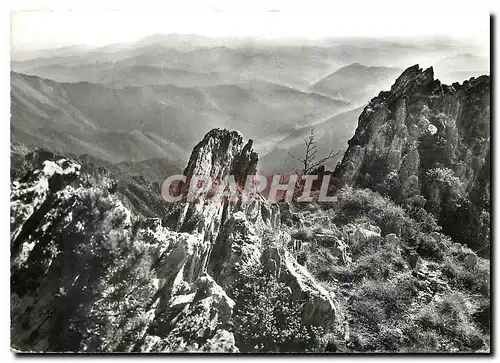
412,79
221,153
418,130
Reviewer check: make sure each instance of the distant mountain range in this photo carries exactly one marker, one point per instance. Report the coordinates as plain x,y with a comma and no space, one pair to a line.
356,83
137,123
295,63
156,97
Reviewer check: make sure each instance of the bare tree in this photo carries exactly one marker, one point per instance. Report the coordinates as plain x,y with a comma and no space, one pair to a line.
309,162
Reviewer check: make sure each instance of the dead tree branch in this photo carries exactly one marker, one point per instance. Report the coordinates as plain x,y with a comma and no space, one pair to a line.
309,162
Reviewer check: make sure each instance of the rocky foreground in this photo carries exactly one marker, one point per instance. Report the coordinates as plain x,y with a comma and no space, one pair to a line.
90,275
91,271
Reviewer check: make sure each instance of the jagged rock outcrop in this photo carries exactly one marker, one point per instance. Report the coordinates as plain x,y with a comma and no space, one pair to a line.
239,230
319,308
88,274
196,319
221,153
427,144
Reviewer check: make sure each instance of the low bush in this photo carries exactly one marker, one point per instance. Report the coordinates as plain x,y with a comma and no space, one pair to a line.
326,267
474,279
428,247
266,319
356,203
450,318
375,302
378,265
434,300
424,221
304,234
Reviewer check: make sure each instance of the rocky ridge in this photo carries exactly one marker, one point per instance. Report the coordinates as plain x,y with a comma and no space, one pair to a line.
427,144
89,273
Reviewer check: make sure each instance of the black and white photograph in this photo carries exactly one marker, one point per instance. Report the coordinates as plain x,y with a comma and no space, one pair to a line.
250,182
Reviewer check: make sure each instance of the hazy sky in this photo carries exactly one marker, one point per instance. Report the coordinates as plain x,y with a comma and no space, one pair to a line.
45,29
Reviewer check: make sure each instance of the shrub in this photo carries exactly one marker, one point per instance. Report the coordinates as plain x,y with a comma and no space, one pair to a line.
365,245
383,317
445,178
326,267
482,315
430,248
419,340
378,261
474,225
450,318
391,339
474,280
377,301
266,319
303,234
423,220
357,203
370,313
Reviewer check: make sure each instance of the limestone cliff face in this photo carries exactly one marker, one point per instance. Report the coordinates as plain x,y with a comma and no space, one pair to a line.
425,143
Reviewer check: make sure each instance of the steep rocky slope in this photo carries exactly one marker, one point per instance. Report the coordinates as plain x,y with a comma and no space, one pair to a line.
90,273
427,143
